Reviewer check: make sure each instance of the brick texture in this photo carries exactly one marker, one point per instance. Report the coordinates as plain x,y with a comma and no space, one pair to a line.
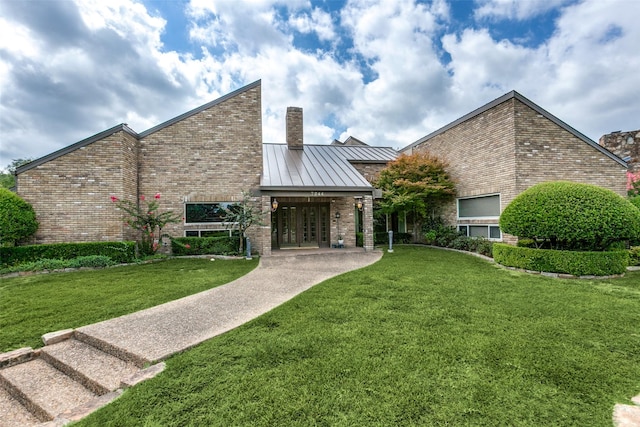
623,145
510,148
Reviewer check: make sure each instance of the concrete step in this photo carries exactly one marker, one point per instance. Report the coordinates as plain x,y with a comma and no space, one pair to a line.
98,371
43,390
109,348
13,413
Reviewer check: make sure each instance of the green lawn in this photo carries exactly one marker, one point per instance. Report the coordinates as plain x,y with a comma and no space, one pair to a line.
424,337
31,306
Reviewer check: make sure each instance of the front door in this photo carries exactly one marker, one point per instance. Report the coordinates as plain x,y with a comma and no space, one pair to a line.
300,225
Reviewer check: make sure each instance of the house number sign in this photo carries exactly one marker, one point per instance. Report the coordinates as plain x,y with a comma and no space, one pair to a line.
317,193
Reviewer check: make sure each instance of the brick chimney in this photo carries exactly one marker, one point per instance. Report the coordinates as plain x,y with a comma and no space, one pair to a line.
294,128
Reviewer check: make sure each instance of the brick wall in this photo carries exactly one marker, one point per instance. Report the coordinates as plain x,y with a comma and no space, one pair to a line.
71,193
510,148
211,156
546,152
480,154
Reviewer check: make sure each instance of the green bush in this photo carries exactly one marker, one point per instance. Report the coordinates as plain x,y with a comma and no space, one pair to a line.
382,238
17,218
359,239
571,216
557,261
94,261
119,252
224,245
634,255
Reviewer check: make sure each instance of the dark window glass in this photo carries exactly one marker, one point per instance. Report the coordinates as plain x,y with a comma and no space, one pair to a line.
479,207
205,212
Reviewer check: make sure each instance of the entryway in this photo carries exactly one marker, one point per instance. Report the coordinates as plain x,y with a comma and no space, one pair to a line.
300,225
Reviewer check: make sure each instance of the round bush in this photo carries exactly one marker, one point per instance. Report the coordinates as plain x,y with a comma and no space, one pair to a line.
17,218
572,216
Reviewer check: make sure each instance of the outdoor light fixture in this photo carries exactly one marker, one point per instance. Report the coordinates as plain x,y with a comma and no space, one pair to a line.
337,215
359,204
274,205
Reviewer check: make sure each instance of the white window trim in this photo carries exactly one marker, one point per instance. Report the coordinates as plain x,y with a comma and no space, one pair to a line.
488,230
475,218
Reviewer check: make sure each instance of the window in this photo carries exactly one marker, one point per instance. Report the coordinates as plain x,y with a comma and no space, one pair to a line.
199,213
491,232
208,233
479,207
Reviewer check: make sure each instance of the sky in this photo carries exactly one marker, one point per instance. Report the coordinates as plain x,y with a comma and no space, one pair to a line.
386,72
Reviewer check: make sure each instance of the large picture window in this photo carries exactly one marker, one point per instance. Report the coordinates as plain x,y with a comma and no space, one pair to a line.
479,207
201,213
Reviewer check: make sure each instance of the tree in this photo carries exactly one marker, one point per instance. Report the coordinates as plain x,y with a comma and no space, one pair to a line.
8,179
243,215
17,218
418,183
147,220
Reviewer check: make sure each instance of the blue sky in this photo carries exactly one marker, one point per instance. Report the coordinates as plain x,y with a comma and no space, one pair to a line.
385,72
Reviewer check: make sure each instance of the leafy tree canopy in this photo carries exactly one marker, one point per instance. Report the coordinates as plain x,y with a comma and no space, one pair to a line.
7,178
415,183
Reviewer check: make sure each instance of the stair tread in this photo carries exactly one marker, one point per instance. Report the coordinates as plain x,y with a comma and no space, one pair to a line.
102,368
49,389
13,414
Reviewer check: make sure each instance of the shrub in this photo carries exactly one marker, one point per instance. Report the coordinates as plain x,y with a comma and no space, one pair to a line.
359,239
558,261
634,255
382,238
17,218
205,245
572,216
94,261
119,252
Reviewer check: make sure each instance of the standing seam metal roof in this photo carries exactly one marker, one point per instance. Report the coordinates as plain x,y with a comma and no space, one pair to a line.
319,167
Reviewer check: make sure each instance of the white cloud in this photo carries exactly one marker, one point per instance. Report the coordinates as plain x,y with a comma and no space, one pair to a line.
515,9
69,70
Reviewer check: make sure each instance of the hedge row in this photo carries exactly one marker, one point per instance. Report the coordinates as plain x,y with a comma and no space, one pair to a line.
205,245
119,252
555,261
381,238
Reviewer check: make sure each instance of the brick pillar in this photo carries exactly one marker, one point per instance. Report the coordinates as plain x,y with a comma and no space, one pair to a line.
367,223
294,128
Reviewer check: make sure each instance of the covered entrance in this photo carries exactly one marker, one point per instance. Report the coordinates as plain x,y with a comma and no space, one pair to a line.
300,225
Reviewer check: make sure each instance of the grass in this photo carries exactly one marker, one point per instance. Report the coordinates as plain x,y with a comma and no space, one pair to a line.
31,306
424,337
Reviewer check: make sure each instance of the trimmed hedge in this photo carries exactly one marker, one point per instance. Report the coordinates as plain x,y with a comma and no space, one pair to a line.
634,255
380,238
205,245
555,261
119,252
92,261
569,215
17,218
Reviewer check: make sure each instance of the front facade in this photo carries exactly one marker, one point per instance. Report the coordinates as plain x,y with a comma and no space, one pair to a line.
199,162
501,149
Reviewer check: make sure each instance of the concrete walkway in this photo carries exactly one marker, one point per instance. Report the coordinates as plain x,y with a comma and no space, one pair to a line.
154,334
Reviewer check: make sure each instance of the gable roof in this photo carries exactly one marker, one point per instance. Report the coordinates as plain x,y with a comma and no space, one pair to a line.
515,95
319,167
124,127
68,149
199,109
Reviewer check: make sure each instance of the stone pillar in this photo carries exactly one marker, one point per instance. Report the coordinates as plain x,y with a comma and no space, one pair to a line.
294,128
367,223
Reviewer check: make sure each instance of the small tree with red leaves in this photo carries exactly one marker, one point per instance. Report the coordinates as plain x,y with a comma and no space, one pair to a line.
146,218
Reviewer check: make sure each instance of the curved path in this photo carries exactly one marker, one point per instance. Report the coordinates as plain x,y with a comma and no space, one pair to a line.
158,332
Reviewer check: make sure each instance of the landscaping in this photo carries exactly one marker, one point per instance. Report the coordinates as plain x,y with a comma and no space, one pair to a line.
31,306
423,337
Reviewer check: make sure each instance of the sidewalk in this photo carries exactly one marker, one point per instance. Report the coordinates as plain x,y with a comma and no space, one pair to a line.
157,333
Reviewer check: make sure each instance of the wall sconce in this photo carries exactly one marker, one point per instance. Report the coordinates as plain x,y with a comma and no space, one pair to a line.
359,204
337,215
274,205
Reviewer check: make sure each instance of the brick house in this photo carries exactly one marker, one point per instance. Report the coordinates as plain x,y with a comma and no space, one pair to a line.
506,146
199,162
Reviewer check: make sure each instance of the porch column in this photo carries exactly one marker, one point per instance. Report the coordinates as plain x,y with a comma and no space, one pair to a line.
367,223
265,228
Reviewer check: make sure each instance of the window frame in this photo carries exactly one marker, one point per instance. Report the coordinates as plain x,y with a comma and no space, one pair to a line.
471,218
488,226
186,222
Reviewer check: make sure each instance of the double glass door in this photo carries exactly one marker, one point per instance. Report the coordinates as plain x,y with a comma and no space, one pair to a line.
300,225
